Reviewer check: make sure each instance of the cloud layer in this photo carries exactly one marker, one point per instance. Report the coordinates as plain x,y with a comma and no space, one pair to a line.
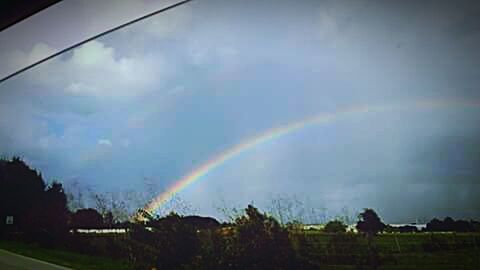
163,96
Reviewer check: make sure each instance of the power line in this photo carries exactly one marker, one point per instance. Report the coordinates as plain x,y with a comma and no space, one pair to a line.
92,38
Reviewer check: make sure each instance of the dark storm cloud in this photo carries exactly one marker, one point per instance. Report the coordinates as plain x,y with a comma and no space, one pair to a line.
168,94
467,26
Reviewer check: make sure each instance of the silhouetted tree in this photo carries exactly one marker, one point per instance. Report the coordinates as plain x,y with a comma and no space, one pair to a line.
87,219
55,209
450,225
407,229
39,212
201,223
287,209
261,242
475,225
463,226
227,211
175,240
21,188
435,225
108,220
369,222
75,195
335,226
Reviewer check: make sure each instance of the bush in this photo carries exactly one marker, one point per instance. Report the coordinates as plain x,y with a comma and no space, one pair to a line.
254,241
173,242
369,222
335,226
261,243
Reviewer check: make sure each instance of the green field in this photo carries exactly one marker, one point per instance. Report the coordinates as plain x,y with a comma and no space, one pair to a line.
395,251
63,258
325,251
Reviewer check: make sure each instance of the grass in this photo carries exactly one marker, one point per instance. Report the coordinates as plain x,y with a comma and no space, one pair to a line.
401,251
398,252
63,258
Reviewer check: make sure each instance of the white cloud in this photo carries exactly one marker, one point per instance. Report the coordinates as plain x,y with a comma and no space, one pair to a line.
169,23
92,54
13,61
95,69
105,142
79,88
222,59
334,23
101,151
64,25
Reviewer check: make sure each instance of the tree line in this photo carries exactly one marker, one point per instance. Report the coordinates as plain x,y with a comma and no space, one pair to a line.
40,207
251,239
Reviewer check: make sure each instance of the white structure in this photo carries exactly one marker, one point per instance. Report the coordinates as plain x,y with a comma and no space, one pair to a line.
100,231
419,226
313,226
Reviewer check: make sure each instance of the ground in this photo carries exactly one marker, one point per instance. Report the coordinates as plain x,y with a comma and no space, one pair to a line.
61,257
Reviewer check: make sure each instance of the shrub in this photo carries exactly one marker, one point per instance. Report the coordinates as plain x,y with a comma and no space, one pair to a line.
335,226
173,242
261,243
369,222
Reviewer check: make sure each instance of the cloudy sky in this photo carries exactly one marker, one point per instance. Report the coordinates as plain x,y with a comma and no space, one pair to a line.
159,98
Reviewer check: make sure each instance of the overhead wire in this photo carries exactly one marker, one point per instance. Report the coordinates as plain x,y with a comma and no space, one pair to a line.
156,12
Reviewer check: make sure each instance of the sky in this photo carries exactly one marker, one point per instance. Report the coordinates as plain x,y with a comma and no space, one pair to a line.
160,98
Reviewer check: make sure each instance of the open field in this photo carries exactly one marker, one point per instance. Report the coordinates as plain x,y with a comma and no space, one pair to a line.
394,251
322,251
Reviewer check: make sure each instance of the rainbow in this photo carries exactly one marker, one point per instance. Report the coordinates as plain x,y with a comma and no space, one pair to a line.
274,133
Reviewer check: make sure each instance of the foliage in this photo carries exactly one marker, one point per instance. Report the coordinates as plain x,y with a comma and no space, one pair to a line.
87,219
40,212
21,189
287,209
174,240
369,222
401,229
252,240
335,226
450,225
229,213
47,221
261,242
